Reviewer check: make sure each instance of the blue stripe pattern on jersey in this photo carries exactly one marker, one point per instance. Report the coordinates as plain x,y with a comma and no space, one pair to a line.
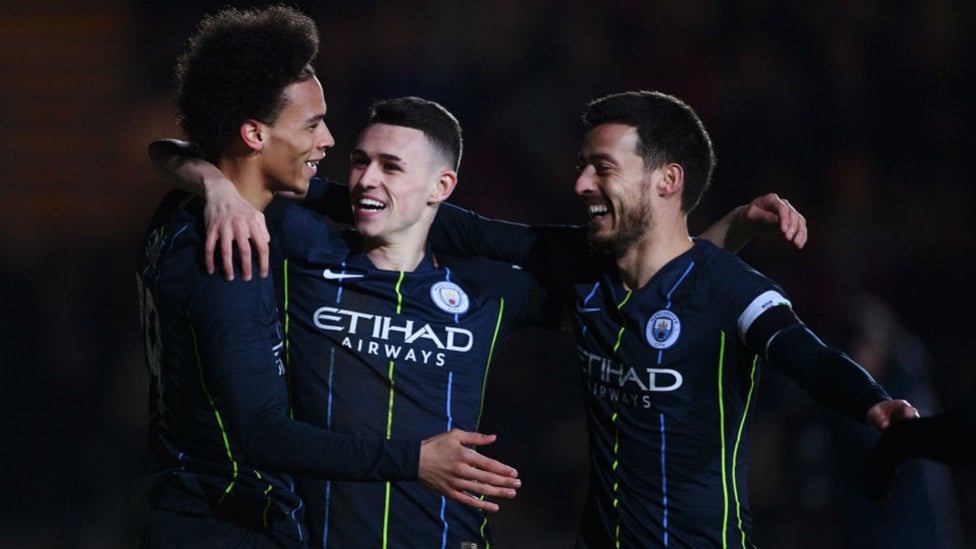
664,438
450,423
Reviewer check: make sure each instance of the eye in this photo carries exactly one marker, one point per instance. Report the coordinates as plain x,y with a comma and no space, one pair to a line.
359,161
392,167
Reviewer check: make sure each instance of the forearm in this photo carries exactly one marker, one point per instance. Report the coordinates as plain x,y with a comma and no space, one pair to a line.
179,165
829,375
460,232
288,445
726,233
329,198
764,214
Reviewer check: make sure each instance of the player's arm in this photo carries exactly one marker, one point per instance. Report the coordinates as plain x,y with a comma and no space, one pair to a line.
457,231
229,218
828,374
236,335
762,215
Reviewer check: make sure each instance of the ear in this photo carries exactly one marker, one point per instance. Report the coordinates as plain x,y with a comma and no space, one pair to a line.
253,134
672,180
446,182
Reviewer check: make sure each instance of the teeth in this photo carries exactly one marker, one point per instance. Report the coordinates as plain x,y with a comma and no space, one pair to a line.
370,204
598,209
311,164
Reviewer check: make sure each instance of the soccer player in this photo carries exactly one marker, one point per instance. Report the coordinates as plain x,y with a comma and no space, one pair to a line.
220,434
672,333
384,340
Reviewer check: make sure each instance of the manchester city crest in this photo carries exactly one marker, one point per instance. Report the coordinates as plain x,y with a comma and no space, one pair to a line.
663,329
449,297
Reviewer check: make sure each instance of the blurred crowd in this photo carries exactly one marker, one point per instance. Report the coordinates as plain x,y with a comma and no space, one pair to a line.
856,112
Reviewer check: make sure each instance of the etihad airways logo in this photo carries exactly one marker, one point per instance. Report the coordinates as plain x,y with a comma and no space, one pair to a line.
385,336
606,378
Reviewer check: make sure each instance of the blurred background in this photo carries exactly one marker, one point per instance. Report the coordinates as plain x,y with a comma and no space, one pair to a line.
859,113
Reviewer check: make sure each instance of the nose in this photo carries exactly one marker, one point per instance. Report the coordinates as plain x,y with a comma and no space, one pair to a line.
325,139
584,181
364,175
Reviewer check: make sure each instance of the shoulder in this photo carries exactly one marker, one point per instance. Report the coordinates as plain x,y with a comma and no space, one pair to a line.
296,230
721,264
176,228
728,280
488,275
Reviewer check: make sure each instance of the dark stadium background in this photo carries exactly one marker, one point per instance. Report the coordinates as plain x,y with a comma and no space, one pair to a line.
859,112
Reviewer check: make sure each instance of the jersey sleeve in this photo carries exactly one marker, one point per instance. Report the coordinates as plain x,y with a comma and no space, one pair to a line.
329,198
764,321
294,229
829,375
538,248
238,347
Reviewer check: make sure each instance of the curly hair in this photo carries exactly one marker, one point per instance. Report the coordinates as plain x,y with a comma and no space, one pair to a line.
236,67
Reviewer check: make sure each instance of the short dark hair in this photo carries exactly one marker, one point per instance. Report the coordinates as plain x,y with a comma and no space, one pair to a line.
236,66
436,122
668,131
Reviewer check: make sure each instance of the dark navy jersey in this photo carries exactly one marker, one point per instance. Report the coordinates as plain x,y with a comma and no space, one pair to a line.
390,354
670,387
219,427
669,379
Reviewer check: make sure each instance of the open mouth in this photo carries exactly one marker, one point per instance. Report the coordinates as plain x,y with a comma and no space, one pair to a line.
370,205
597,210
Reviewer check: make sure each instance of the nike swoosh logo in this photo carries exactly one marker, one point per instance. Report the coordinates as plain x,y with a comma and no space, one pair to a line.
329,274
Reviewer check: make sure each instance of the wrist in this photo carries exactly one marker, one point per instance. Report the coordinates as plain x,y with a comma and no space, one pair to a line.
212,187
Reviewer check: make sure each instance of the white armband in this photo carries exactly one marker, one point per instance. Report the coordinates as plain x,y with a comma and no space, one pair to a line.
765,301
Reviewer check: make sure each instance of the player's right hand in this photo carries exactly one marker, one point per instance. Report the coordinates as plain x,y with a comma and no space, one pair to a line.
230,219
448,465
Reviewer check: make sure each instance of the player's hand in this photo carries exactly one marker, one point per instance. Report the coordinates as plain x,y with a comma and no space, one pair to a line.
768,212
449,466
884,413
231,219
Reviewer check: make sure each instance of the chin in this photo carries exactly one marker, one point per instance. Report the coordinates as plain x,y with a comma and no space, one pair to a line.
366,229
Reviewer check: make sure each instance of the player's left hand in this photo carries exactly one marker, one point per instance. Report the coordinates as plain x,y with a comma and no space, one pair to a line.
450,466
884,413
770,212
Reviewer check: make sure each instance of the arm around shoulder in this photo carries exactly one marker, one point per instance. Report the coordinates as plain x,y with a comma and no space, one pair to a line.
762,215
229,218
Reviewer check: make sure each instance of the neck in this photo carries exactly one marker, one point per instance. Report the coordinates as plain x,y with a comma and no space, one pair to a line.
388,256
399,249
250,183
660,244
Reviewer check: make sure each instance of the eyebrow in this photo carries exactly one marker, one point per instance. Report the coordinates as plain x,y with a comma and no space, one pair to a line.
381,156
598,156
315,119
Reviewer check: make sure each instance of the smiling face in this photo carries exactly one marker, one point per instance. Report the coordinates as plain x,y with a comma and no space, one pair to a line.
297,140
396,181
616,187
